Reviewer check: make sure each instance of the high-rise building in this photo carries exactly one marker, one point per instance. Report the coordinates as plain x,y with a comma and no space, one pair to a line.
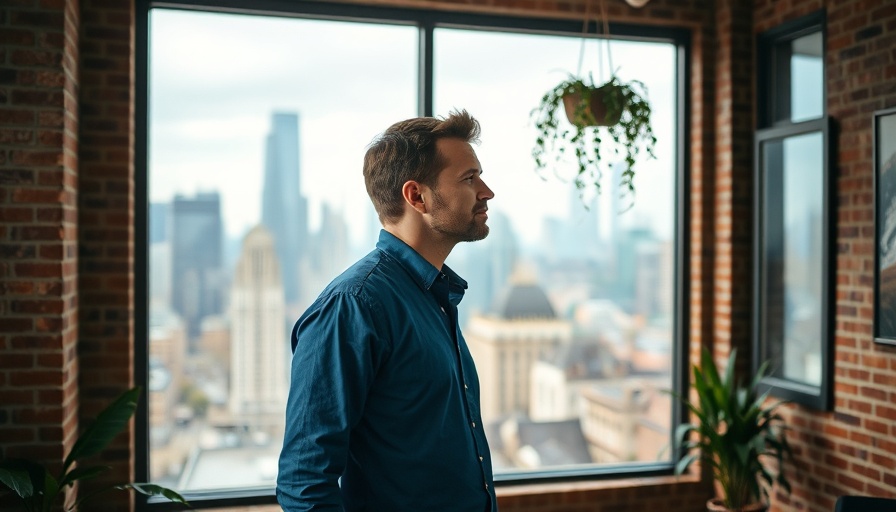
506,342
197,277
627,419
284,210
326,256
557,380
486,265
158,222
258,351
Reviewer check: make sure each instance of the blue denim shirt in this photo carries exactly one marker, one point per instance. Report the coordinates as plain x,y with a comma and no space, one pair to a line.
384,395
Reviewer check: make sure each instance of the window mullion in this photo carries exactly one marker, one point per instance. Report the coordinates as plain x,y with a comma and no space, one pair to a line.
425,70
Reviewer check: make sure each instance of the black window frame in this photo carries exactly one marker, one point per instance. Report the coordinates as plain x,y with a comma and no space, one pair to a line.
426,21
774,125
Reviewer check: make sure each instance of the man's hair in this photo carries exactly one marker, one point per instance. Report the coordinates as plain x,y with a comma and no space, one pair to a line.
407,151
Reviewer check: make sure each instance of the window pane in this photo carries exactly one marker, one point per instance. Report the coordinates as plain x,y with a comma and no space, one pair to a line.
257,134
793,248
801,65
807,70
569,313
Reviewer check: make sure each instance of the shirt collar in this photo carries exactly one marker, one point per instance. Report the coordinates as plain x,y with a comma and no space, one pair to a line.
422,271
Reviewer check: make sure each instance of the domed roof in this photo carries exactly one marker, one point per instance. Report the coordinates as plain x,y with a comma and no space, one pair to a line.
523,300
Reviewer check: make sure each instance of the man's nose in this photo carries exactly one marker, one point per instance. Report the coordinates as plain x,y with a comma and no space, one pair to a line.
486,192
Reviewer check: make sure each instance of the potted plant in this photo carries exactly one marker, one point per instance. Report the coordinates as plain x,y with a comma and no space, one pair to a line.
40,491
615,110
736,434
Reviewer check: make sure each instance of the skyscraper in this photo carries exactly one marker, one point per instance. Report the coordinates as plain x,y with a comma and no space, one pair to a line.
258,376
284,211
521,328
197,278
326,255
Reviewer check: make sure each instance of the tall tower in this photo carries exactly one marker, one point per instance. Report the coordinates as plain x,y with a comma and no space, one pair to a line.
284,209
521,328
326,256
258,379
197,278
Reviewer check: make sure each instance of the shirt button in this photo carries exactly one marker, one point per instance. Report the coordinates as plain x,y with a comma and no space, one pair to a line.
465,386
486,487
480,458
474,424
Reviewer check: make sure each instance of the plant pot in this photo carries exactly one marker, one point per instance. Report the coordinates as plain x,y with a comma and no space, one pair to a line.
715,505
597,114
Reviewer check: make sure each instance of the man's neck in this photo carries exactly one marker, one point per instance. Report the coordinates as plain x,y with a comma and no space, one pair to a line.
421,240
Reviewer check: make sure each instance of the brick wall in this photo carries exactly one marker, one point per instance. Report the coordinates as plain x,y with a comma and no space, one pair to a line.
38,229
852,449
733,182
67,208
106,224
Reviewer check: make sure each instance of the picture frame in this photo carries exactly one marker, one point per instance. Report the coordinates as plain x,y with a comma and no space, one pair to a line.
884,140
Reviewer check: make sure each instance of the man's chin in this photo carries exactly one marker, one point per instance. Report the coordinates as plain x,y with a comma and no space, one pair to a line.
479,234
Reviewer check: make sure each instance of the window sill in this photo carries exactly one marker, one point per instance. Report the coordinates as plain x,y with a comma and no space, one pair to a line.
668,493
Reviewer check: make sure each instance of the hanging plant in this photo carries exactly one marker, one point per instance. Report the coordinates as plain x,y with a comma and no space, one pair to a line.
611,116
615,111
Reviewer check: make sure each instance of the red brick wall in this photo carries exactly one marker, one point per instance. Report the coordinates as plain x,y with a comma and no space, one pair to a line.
66,230
38,229
733,182
852,449
106,224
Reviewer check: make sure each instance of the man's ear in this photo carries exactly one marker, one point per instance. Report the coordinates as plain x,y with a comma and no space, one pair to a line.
412,192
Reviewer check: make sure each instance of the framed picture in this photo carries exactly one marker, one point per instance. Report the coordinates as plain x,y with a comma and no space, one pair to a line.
885,226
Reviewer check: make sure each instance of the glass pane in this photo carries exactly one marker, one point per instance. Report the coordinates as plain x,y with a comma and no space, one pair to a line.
801,78
793,235
257,134
569,313
807,85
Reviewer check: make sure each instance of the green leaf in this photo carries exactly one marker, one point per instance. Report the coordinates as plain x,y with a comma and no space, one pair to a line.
18,480
108,424
737,432
85,473
50,491
156,490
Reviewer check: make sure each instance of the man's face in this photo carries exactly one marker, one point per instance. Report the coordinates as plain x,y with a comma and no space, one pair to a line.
458,209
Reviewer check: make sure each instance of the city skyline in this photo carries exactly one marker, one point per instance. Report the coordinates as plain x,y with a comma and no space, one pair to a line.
284,166
200,139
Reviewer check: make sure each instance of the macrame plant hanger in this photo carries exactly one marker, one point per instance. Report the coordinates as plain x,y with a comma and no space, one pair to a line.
606,41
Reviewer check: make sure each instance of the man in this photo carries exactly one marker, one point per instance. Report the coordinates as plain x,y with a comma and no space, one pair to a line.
383,410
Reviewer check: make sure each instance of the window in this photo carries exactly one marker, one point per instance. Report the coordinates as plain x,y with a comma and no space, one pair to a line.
792,310
253,156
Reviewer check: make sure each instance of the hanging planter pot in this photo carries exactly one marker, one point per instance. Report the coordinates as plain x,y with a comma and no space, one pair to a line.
611,117
614,117
601,106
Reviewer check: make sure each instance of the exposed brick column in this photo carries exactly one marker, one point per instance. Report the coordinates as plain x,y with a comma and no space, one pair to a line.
106,210
734,182
38,230
701,199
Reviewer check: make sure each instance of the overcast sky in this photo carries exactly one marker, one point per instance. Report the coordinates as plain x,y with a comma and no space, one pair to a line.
216,79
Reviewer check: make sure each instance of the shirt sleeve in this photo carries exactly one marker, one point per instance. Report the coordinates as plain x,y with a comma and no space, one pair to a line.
337,353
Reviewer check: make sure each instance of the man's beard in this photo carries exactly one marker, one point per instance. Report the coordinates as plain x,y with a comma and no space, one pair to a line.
456,226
